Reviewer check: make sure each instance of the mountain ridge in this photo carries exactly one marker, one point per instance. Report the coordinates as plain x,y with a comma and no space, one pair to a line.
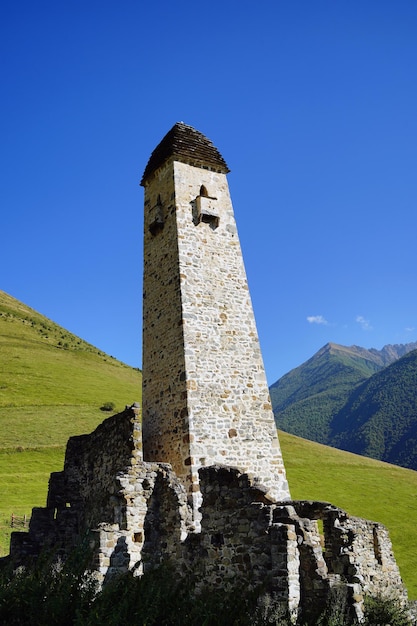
380,418
307,399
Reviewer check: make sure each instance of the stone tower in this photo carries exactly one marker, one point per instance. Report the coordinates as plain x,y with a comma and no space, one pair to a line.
205,394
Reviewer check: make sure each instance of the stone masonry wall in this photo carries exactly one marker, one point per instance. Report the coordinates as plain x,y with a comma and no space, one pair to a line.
205,394
164,394
106,493
248,541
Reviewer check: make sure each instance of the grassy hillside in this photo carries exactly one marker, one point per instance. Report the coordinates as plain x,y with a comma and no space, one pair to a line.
52,385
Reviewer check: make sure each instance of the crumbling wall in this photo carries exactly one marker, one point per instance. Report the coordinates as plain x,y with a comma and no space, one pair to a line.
239,544
136,517
359,552
107,492
151,518
280,548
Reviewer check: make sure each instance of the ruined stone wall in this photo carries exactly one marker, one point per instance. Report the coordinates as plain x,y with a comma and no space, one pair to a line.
205,394
92,463
109,496
239,543
280,549
151,519
360,551
249,542
136,516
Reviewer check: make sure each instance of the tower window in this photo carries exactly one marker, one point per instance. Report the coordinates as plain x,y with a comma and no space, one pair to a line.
157,217
206,209
213,220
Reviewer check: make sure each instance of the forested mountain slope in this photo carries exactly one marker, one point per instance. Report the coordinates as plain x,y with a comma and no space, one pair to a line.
312,400
379,418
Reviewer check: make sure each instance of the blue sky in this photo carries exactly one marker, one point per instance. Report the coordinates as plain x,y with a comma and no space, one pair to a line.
311,103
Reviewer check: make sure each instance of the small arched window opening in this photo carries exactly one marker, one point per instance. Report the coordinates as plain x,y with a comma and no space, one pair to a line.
205,209
157,217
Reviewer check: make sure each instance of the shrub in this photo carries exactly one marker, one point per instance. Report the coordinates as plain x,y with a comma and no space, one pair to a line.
270,611
385,611
108,406
60,593
47,592
337,611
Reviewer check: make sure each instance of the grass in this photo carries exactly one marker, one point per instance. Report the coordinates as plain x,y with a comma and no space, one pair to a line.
24,484
52,385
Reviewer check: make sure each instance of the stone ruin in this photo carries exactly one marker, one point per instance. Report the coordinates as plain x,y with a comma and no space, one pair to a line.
198,480
137,516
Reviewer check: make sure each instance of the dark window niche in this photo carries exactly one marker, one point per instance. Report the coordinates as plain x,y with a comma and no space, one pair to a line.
156,227
212,220
157,213
217,540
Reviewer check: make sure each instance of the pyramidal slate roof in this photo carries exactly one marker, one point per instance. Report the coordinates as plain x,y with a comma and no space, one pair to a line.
188,145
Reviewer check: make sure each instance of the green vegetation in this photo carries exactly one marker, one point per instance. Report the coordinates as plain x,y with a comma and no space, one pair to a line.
64,595
52,386
306,399
338,398
380,417
382,611
24,480
108,406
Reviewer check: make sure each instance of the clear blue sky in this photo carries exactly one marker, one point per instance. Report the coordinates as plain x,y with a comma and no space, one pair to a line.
312,103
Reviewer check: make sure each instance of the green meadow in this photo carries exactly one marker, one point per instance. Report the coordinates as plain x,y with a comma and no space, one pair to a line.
362,486
52,385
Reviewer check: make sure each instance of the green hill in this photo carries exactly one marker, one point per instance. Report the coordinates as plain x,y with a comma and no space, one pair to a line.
51,390
52,385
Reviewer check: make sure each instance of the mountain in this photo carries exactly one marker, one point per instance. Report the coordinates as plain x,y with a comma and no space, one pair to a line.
307,400
380,417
